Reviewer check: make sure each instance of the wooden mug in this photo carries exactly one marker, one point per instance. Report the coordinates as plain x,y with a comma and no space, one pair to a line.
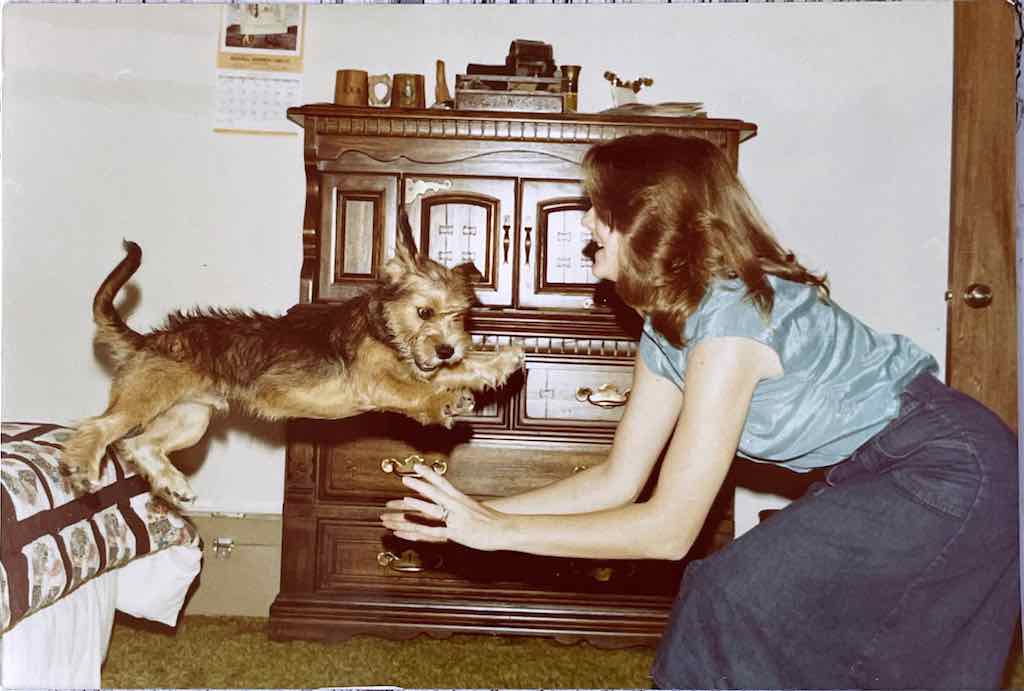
407,91
380,90
351,88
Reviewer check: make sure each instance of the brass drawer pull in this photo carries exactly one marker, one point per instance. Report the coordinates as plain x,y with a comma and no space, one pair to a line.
404,466
408,561
606,396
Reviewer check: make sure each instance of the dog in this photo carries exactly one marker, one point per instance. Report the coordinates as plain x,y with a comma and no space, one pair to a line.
400,347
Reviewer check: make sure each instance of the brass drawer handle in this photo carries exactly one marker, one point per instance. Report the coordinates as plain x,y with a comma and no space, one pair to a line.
404,466
606,396
408,561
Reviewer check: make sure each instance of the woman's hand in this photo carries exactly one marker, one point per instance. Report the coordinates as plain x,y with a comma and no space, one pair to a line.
464,520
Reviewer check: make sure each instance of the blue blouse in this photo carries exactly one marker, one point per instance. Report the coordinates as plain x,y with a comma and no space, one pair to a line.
841,380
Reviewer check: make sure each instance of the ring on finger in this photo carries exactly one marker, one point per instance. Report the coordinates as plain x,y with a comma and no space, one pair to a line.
444,514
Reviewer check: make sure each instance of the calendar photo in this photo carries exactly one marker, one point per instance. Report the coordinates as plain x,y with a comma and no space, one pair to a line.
261,36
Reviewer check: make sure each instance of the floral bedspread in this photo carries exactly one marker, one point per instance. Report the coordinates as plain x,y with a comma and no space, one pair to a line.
52,542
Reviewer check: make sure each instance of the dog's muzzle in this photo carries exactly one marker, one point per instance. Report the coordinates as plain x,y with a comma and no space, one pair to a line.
444,354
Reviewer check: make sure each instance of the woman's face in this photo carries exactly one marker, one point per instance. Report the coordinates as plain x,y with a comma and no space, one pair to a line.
606,259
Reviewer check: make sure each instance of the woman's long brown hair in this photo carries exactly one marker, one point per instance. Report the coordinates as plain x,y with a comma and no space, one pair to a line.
685,219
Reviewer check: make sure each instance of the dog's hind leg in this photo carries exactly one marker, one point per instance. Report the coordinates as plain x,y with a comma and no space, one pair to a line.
136,397
83,452
182,426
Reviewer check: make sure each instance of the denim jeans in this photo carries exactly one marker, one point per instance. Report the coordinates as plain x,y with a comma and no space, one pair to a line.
901,570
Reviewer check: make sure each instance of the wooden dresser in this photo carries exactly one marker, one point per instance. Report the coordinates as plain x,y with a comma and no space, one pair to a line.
501,190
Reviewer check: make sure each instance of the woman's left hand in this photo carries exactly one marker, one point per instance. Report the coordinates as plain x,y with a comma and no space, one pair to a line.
464,520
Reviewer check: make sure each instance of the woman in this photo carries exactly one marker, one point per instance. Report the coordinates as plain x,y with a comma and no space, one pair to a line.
899,571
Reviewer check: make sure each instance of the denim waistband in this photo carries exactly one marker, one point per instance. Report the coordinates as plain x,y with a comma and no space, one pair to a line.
939,417
925,384
922,387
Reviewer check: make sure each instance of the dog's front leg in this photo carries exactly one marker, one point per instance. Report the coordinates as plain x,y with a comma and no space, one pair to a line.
424,402
441,407
480,369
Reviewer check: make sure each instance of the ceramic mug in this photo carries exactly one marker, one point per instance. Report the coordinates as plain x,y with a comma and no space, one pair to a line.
380,90
351,87
407,91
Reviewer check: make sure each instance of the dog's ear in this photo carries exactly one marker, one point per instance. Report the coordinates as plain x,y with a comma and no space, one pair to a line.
406,258
405,247
468,271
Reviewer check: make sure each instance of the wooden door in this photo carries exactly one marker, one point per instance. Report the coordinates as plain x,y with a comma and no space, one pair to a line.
553,271
460,219
982,336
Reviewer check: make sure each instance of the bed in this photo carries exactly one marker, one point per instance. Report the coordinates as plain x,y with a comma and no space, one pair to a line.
68,563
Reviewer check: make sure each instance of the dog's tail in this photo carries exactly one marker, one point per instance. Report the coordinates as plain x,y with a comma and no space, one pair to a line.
111,329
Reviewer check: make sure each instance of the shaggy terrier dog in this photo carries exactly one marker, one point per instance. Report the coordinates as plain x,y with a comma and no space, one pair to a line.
400,347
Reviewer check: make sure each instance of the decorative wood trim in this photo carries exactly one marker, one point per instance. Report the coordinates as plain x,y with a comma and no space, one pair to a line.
300,468
553,345
600,325
395,616
539,127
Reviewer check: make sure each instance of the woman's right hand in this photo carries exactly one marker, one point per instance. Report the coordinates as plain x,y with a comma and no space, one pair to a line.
463,519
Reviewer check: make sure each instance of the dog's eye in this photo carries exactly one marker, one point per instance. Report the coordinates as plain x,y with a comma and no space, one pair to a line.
424,313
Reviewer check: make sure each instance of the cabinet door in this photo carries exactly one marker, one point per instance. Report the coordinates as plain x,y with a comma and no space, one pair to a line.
466,219
553,271
358,224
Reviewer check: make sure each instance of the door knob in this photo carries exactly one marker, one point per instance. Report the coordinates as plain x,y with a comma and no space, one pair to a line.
978,295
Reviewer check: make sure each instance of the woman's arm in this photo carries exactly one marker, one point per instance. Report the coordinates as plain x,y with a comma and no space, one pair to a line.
720,380
647,422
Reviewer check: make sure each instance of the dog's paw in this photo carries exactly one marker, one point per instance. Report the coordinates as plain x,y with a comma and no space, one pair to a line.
80,461
174,488
507,361
513,358
462,402
79,481
165,481
445,406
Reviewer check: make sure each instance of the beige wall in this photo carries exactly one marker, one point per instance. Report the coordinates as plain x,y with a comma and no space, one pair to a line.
107,133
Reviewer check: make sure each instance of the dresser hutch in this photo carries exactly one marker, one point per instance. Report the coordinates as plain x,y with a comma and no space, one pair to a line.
499,189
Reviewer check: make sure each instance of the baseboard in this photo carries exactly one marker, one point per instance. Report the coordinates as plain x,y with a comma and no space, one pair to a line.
241,572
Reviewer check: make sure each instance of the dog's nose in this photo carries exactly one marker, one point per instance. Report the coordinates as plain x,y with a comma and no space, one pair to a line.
444,351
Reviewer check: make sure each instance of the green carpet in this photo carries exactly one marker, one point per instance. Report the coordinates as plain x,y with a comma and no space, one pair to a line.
235,652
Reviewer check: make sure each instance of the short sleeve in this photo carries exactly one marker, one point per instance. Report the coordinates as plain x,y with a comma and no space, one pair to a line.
730,313
657,353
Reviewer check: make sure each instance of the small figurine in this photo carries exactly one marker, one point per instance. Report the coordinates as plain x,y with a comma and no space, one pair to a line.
625,92
633,86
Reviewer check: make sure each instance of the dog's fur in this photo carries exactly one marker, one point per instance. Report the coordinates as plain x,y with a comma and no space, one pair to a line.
400,347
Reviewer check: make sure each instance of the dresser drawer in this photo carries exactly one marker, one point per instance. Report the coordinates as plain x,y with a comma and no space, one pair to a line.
373,467
582,395
358,552
353,552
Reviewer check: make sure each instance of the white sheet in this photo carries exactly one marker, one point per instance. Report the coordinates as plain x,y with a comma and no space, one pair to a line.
64,645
